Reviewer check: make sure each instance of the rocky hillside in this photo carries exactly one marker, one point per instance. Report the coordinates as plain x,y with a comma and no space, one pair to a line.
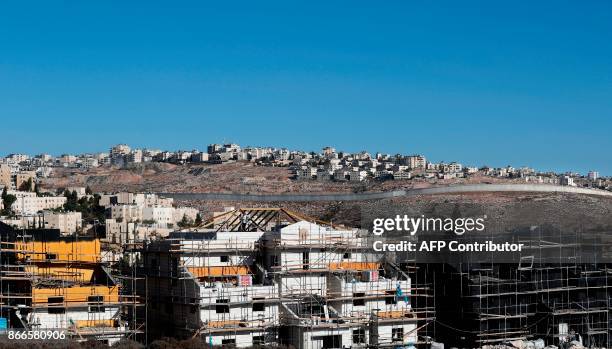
238,177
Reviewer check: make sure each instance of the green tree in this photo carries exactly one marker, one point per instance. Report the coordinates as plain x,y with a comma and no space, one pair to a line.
88,190
26,186
7,200
97,212
185,222
89,207
198,219
71,201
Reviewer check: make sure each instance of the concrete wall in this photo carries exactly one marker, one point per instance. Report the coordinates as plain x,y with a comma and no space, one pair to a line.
241,301
297,284
242,340
313,338
340,288
386,195
62,321
385,333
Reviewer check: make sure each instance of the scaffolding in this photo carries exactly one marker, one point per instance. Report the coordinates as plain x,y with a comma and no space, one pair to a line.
189,272
555,292
53,282
248,277
340,292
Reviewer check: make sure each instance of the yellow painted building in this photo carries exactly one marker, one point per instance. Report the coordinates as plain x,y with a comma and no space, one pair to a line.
86,250
75,294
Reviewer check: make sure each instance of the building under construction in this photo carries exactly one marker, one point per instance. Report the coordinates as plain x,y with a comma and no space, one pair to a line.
58,283
557,292
260,276
263,276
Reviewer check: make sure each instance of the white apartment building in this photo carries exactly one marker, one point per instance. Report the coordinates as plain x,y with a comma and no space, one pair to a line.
135,156
66,222
44,157
118,154
28,203
329,151
120,232
199,157
382,174
5,176
567,180
416,161
17,158
258,153
324,175
120,149
139,207
127,213
90,162
161,216
80,191
281,154
154,199
358,176
453,167
306,173
150,152
231,148
67,159
433,167
299,160
189,212
102,158
182,156
333,164
402,175
340,175
125,198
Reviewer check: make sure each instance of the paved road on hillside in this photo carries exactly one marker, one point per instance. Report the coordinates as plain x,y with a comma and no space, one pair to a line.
457,189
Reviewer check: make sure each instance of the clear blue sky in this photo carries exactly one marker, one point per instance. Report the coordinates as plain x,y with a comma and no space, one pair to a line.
515,82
